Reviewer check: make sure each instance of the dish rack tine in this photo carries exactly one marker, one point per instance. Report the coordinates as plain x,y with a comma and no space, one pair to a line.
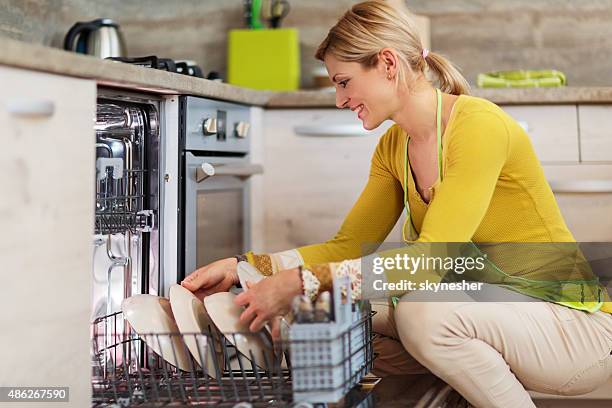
126,372
179,377
153,380
164,367
231,371
258,380
192,368
132,346
272,375
226,364
243,372
202,360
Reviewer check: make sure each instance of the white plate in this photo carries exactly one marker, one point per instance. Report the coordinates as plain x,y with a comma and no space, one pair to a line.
226,316
248,273
191,317
150,314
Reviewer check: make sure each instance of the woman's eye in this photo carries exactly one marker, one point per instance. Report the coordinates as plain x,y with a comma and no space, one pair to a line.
343,83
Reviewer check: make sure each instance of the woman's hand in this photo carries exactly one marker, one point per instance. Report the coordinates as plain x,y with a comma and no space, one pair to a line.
218,276
269,298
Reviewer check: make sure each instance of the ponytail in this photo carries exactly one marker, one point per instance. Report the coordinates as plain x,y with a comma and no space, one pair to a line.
449,78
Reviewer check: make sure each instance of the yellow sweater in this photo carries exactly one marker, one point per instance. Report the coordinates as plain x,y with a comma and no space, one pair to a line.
494,190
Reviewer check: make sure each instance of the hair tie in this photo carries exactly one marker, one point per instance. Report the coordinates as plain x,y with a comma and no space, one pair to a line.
425,53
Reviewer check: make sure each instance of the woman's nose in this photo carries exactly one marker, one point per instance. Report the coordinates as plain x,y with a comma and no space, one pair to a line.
340,100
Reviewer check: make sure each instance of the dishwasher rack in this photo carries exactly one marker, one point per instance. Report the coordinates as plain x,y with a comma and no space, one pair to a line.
121,168
120,202
126,371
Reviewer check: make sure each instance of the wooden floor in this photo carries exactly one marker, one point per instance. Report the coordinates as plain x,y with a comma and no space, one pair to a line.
406,391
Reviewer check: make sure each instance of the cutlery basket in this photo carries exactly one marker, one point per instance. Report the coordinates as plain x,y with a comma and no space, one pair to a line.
328,359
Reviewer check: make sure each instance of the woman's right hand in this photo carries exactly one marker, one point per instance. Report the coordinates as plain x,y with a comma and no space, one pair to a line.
218,276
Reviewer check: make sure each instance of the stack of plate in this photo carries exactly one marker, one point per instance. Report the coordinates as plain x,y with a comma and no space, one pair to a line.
183,324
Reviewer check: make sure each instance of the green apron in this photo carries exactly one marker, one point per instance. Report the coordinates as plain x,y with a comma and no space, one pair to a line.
568,281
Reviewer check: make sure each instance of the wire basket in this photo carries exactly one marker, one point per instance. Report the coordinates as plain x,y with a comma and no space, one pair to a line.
120,200
330,358
136,370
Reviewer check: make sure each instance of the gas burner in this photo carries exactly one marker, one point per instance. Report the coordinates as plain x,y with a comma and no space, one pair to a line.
166,64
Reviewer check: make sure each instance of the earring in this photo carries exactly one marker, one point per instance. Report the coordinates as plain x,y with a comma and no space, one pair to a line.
389,76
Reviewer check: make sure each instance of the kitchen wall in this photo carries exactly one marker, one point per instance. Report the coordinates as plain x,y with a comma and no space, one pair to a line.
478,35
186,29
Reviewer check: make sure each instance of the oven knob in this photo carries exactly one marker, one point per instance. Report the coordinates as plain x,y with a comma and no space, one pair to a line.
242,129
204,171
209,126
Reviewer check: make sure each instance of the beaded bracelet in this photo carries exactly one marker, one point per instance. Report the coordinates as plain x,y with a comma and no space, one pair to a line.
310,283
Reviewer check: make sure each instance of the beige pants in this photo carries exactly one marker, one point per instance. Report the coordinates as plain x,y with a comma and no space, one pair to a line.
492,352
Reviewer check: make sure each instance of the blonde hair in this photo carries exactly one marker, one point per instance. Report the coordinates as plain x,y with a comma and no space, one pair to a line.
370,26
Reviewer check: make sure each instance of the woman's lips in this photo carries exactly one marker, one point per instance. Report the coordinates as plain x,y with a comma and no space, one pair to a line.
360,111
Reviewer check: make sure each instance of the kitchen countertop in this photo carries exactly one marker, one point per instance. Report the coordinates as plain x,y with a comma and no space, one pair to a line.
57,61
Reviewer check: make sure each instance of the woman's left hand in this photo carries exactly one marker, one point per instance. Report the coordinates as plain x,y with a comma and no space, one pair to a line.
269,298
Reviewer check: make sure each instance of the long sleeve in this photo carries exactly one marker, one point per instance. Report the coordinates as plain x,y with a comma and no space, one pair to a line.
369,221
476,153
371,218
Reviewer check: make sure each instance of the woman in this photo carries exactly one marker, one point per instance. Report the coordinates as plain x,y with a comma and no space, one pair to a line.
465,172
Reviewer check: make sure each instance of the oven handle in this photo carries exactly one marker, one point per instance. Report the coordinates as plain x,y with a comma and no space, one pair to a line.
206,170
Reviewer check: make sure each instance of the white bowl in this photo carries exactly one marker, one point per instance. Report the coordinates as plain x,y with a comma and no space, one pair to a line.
226,316
191,317
149,315
248,273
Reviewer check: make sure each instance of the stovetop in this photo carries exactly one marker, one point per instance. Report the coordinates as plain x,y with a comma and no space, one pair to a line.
184,67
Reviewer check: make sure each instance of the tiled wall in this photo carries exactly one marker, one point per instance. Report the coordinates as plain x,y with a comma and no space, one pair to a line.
478,35
481,35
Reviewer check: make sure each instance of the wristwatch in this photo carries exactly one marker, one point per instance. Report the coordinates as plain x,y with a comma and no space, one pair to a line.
241,258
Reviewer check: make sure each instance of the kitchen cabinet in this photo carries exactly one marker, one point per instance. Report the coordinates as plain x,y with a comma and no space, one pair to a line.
316,165
315,172
595,132
584,195
256,182
46,214
553,130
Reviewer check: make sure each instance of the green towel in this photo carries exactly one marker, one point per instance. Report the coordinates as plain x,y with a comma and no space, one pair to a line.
521,79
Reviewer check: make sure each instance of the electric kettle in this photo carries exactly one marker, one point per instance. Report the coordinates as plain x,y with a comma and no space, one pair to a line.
101,38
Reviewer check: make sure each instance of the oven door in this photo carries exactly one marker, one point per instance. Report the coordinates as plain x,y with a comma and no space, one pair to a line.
216,208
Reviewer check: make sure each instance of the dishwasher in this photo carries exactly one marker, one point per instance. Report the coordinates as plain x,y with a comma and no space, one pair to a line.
139,249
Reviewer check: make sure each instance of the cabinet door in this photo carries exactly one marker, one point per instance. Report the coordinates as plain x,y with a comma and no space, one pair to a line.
584,196
46,214
316,165
553,130
595,132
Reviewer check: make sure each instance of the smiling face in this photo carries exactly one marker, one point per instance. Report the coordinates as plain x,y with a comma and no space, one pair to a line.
366,91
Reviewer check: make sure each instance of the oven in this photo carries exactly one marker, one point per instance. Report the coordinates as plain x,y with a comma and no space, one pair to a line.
216,168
